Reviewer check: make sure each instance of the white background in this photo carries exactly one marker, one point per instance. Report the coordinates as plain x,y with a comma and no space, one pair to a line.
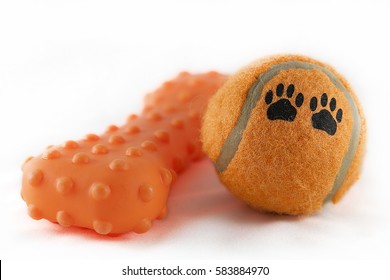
68,68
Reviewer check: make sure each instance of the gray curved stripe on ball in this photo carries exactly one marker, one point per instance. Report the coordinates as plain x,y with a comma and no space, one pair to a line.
231,144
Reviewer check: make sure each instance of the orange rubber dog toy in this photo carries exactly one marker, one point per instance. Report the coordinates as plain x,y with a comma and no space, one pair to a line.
119,181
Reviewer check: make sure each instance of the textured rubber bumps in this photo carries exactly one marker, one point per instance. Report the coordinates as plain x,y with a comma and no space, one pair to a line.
119,181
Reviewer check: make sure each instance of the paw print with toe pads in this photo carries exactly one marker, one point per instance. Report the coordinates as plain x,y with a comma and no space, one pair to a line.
324,119
282,109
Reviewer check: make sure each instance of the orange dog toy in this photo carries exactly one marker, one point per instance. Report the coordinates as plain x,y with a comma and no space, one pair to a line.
119,181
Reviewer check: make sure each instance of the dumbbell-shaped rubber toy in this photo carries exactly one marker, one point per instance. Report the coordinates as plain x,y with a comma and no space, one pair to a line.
119,181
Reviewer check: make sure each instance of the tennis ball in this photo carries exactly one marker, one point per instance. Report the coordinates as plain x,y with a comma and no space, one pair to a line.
286,134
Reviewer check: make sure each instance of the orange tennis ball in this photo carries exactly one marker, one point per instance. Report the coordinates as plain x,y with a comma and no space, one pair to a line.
286,134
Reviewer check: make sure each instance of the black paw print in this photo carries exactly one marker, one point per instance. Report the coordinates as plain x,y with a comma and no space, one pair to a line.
282,109
324,120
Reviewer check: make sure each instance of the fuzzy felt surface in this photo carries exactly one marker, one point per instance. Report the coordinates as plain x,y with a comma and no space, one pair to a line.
295,141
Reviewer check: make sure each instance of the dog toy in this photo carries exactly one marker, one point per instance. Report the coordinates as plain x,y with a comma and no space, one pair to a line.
286,134
119,182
